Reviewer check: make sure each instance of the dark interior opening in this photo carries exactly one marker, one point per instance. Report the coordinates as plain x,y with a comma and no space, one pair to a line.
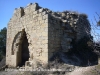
25,50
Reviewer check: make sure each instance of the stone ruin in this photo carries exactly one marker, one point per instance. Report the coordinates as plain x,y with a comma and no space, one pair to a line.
34,34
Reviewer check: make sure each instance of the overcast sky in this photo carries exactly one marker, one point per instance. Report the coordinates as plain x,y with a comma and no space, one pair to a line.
88,7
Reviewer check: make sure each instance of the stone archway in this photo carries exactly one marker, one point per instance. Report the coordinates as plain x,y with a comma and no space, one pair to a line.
20,48
25,50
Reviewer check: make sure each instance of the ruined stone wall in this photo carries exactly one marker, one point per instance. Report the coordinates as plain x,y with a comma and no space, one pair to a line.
35,24
47,32
83,27
54,35
74,21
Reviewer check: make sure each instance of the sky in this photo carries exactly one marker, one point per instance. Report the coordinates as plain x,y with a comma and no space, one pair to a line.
88,7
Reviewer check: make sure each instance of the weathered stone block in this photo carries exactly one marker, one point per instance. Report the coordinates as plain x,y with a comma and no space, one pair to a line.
41,10
40,18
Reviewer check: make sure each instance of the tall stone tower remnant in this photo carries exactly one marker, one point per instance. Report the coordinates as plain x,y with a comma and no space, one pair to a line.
35,33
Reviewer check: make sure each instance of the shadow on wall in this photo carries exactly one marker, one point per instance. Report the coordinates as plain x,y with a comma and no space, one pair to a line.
76,59
80,55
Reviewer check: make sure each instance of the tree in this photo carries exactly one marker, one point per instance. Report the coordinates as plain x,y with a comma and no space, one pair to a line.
98,23
3,40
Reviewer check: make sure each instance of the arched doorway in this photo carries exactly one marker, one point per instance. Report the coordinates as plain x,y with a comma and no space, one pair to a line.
25,50
20,48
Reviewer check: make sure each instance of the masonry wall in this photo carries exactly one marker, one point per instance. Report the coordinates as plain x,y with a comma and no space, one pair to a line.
35,24
47,32
55,33
83,27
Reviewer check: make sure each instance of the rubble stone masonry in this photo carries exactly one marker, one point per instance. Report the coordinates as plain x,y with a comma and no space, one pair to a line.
34,34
